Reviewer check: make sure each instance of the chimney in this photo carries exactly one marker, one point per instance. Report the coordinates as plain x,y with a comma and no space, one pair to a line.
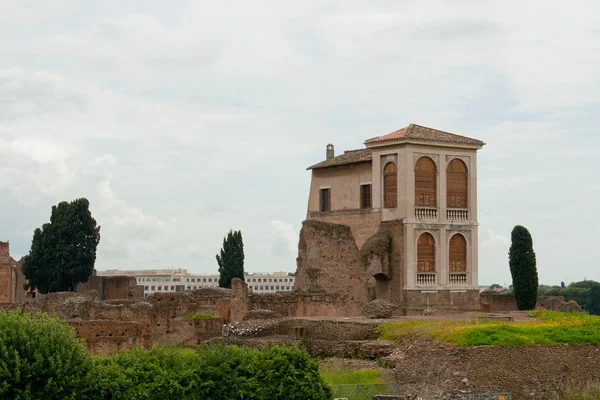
330,152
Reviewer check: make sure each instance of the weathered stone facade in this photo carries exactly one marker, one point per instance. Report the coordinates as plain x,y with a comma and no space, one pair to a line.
420,186
11,277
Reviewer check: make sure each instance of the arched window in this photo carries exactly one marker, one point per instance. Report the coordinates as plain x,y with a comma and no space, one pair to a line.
390,185
426,253
425,183
457,184
458,253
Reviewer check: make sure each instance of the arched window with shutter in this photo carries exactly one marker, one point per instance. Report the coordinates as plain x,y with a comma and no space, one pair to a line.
458,253
426,253
425,183
390,185
457,184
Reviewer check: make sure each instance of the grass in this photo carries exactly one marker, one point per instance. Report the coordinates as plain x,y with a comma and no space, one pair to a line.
590,391
544,327
363,379
200,316
340,376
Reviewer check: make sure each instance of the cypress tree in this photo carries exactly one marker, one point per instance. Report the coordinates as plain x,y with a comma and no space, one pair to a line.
523,268
231,259
63,251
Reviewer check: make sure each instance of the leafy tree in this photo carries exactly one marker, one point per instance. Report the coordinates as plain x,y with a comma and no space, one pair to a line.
523,268
593,306
40,358
495,286
63,251
231,259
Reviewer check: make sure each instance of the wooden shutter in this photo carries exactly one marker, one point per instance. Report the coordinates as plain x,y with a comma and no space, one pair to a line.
325,200
458,254
426,253
365,195
457,184
425,183
390,185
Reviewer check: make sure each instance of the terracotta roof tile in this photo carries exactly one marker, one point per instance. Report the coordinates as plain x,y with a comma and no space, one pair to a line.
419,132
349,157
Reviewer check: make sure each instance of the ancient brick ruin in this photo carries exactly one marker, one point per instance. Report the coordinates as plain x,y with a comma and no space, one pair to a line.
11,277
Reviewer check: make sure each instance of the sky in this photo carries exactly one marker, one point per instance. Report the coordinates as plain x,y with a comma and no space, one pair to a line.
181,120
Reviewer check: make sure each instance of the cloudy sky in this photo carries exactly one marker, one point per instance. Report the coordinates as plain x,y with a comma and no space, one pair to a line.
180,120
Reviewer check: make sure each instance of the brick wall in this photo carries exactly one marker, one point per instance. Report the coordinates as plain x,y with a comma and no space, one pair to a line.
418,302
362,224
329,262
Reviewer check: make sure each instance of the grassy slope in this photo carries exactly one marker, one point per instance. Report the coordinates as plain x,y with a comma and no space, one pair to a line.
546,327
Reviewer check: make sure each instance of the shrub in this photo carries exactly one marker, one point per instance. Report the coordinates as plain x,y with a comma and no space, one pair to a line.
40,357
213,372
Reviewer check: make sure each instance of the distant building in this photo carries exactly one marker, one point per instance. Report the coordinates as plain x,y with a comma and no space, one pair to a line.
179,280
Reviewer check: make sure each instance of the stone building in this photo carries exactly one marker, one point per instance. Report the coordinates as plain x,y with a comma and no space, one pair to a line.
418,186
11,277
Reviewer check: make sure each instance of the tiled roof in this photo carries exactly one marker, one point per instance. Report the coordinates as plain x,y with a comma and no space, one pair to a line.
419,132
349,157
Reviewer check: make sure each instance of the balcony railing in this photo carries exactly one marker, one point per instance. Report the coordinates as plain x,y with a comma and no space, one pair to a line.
424,213
426,278
457,214
458,278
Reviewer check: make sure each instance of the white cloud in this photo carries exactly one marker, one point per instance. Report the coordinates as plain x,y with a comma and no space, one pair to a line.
181,121
284,239
495,240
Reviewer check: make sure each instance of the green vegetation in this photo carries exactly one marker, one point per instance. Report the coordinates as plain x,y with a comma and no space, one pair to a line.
200,316
545,327
365,378
340,376
231,259
590,391
41,358
523,268
585,293
63,252
213,372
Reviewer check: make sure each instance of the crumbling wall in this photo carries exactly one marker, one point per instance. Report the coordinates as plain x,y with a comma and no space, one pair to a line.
431,302
557,303
111,287
239,304
397,282
21,295
498,302
298,304
115,324
329,262
7,275
363,224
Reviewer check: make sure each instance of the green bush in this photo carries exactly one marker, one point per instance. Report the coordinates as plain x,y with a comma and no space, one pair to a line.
213,372
40,357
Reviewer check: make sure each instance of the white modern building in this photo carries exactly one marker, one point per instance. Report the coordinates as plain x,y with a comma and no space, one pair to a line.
179,280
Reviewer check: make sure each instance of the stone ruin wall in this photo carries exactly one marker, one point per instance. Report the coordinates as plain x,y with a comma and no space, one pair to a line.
111,287
11,277
363,224
329,263
119,324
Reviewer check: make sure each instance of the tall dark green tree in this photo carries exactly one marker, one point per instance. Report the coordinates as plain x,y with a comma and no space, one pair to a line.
523,268
63,251
231,259
594,302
